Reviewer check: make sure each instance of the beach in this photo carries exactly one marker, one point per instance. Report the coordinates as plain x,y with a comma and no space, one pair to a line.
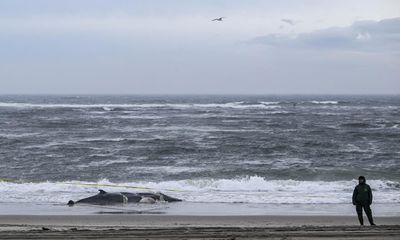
131,226
189,220
200,119
246,167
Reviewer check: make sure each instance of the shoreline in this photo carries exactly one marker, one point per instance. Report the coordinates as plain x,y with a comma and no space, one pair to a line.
151,221
187,208
123,226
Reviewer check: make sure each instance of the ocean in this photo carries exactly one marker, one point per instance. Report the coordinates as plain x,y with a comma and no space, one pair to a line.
204,149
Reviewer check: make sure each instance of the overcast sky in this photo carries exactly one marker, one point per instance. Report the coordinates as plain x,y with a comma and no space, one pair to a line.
171,46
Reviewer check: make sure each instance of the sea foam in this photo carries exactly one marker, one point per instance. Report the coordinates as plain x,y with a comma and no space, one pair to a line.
246,190
112,107
325,102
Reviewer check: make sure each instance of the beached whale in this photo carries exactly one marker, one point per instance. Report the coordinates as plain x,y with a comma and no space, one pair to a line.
105,198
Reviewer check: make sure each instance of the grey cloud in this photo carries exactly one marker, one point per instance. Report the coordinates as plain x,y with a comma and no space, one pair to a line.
288,21
372,36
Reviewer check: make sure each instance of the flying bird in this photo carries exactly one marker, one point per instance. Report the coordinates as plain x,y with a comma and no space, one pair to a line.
218,19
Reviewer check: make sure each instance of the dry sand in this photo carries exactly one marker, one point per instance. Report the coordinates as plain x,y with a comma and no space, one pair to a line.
130,226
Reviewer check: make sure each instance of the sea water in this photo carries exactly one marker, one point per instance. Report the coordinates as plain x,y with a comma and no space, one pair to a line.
203,149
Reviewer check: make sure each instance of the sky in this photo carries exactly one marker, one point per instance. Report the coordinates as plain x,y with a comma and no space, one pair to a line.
173,47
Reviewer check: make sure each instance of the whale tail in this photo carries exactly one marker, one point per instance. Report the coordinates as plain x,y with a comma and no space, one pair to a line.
70,203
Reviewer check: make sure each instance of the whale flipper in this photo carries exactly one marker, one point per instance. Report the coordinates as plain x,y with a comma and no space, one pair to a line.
132,197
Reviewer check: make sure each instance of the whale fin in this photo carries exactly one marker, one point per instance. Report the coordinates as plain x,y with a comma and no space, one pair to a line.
101,191
70,203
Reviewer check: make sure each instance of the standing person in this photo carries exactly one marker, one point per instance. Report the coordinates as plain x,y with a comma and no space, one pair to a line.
362,198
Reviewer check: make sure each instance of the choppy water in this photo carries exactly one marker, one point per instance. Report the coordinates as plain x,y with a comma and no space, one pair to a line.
277,149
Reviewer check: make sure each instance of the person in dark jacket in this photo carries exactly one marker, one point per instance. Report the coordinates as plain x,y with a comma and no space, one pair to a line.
362,198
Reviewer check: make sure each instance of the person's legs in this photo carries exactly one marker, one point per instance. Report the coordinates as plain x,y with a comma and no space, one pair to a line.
368,211
359,214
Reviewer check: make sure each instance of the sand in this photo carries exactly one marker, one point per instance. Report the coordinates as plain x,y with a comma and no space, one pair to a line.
133,226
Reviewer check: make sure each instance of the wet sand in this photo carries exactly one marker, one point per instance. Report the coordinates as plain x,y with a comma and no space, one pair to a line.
133,226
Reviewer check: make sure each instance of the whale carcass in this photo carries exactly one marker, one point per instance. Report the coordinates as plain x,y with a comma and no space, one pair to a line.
105,198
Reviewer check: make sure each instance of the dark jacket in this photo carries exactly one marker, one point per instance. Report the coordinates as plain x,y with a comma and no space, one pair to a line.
362,195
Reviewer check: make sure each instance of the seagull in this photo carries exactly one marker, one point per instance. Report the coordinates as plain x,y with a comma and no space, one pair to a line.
218,19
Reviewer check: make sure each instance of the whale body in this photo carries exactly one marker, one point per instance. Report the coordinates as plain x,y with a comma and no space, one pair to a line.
147,200
156,196
105,198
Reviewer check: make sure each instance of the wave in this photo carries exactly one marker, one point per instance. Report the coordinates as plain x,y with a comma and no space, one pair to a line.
105,139
105,107
108,107
248,190
102,163
357,125
115,107
270,103
325,102
17,135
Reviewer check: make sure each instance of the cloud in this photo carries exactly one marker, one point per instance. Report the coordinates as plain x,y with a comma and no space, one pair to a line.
288,21
371,36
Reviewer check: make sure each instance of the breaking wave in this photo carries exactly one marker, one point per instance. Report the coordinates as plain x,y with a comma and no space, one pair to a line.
113,107
246,190
325,102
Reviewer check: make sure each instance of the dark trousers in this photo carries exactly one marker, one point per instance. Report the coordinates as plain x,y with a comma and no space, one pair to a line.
367,210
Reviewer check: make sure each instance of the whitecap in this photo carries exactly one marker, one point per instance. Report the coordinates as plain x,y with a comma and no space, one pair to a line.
110,107
325,102
253,189
270,103
102,163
